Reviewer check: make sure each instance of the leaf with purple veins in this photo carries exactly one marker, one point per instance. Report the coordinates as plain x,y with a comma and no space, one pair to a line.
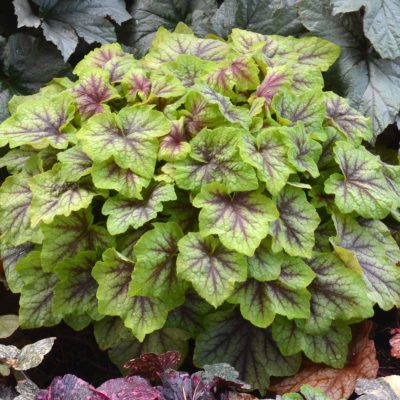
241,220
210,267
92,91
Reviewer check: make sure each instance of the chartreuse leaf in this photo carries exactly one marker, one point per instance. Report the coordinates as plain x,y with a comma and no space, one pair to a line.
53,196
316,52
199,113
109,175
277,51
119,66
37,295
373,253
265,265
295,272
246,41
268,154
166,86
66,236
210,267
75,291
241,220
214,158
303,151
337,293
166,46
361,187
155,269
141,314
351,123
391,173
15,208
175,146
250,350
287,295
239,72
10,256
188,69
230,112
307,107
54,87
255,306
305,79
98,58
329,348
41,123
129,137
298,219
15,159
383,235
92,91
124,212
74,164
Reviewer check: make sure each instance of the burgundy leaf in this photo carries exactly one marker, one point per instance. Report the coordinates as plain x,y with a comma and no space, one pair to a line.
395,343
130,388
150,365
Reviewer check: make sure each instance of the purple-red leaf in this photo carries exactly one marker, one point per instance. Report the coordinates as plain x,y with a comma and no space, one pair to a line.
130,388
150,365
275,79
69,387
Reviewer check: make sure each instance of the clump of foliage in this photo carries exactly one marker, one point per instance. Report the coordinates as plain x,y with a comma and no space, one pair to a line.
211,190
368,31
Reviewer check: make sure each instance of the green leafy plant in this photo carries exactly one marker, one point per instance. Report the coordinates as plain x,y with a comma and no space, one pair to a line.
367,31
211,190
